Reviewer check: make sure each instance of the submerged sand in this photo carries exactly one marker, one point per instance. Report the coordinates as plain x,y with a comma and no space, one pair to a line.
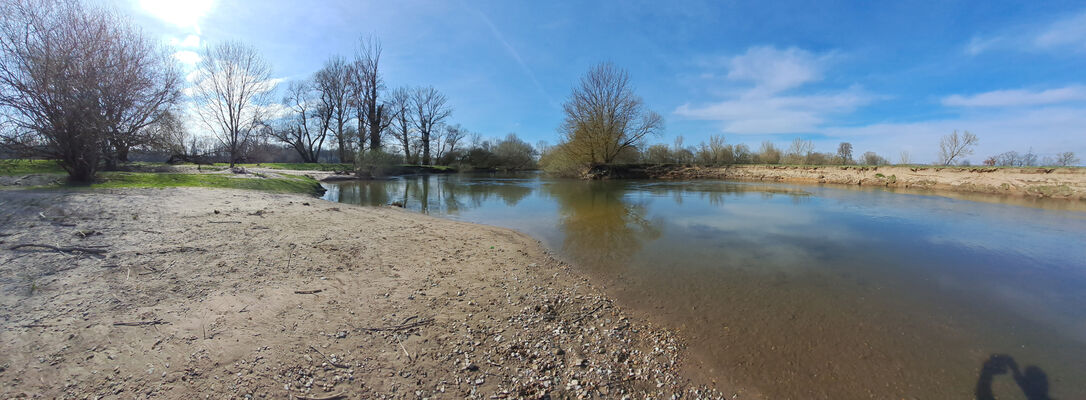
230,293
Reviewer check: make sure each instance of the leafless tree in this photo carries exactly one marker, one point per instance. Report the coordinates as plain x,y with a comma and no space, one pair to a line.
904,157
844,153
1065,159
604,116
431,109
954,146
800,151
232,89
306,128
333,81
447,138
401,113
78,83
374,117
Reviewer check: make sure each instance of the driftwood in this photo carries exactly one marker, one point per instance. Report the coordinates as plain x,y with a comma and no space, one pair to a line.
332,397
141,323
95,250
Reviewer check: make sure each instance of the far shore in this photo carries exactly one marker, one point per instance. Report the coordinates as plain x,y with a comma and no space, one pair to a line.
1038,182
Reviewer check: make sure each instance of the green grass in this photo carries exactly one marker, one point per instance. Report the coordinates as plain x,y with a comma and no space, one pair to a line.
22,167
293,184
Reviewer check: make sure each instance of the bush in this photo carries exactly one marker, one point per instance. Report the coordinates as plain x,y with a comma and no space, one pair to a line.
377,163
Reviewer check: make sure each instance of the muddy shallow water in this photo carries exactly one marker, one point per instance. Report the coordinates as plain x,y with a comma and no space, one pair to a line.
810,291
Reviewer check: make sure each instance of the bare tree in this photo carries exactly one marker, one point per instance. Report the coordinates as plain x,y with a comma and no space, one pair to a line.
306,128
79,84
403,122
904,159
447,138
373,116
232,89
844,153
604,116
800,151
333,81
1065,159
431,109
953,146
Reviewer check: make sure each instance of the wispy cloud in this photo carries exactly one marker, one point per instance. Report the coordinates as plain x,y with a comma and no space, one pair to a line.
1067,33
1018,97
512,52
763,101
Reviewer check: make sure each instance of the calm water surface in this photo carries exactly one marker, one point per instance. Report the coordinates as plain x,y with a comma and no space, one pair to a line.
804,291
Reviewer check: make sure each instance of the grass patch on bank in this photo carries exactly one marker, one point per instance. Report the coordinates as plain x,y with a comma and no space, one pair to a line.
22,167
282,184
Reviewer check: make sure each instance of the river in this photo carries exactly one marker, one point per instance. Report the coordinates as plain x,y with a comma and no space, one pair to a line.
809,291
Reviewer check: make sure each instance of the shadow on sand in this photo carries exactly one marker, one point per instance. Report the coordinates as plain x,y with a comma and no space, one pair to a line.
1032,381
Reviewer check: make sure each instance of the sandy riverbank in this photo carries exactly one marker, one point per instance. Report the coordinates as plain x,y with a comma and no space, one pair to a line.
1059,183
230,293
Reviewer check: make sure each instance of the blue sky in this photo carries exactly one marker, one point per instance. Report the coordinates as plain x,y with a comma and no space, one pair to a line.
886,76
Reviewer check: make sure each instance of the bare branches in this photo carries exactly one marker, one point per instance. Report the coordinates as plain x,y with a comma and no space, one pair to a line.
81,83
953,146
431,109
333,82
232,87
604,116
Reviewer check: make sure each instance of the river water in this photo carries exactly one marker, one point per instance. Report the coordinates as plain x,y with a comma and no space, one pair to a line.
810,291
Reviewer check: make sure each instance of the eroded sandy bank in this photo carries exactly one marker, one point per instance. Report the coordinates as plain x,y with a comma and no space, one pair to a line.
231,293
1060,183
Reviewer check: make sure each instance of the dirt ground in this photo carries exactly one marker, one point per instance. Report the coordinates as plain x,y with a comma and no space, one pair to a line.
240,294
1041,182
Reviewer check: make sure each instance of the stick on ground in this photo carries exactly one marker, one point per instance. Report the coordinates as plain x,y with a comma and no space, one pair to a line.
85,250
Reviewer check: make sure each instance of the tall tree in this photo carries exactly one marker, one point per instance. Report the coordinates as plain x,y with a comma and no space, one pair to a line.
431,109
232,89
333,81
844,153
954,146
604,116
403,120
79,84
373,115
306,128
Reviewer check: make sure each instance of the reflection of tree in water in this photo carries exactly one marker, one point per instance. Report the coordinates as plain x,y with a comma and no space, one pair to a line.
602,229
453,194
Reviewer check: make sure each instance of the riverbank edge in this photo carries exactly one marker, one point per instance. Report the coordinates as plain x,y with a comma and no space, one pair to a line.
1037,182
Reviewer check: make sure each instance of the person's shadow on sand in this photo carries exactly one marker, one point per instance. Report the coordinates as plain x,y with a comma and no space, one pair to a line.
1032,381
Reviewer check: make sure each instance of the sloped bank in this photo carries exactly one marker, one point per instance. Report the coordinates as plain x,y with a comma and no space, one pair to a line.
1041,182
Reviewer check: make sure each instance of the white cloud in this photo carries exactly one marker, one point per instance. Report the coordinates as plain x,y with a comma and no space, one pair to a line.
184,14
766,107
190,41
187,57
774,70
759,114
1018,97
1070,32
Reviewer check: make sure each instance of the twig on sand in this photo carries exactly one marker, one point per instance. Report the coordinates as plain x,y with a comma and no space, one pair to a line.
330,362
141,323
405,351
331,397
224,222
403,326
585,315
35,326
95,250
314,291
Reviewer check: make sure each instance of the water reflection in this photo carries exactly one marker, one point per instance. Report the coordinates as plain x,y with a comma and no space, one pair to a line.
806,291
